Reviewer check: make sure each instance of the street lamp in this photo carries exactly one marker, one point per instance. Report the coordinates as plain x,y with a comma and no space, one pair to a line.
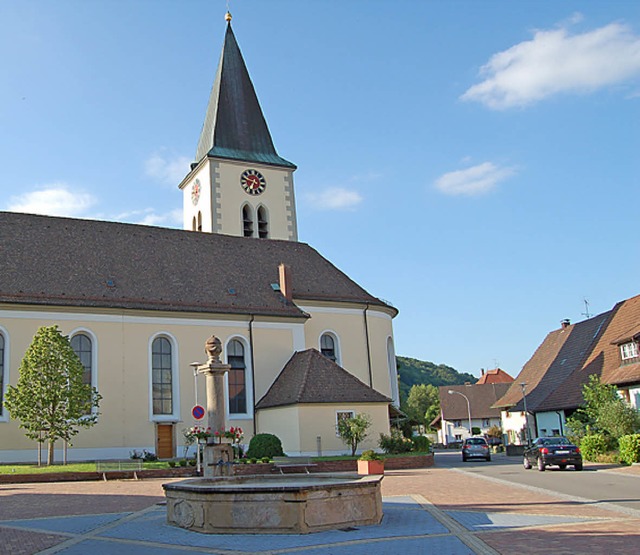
195,365
527,437
451,392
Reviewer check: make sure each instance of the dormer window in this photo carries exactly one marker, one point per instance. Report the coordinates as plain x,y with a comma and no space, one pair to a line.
629,350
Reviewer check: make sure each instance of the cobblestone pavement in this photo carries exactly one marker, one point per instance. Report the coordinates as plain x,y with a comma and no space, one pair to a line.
435,510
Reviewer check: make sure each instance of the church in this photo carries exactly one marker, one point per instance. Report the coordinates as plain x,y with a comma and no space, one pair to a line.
306,345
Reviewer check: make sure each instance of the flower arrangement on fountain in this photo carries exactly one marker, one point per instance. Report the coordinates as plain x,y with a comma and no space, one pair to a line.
198,433
233,434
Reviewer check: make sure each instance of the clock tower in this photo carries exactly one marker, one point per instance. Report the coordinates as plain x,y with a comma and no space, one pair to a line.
238,185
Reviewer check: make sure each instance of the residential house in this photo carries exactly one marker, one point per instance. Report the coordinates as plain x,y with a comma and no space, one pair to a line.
551,382
464,407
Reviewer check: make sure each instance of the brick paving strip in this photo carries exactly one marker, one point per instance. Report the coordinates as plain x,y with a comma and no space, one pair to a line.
437,491
610,528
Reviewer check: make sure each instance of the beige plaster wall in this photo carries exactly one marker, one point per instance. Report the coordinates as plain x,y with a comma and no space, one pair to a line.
283,422
299,427
122,343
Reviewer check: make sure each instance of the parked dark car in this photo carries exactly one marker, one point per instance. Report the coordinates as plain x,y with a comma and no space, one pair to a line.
475,448
552,451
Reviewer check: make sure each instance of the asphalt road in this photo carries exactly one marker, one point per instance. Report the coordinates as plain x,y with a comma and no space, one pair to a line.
592,483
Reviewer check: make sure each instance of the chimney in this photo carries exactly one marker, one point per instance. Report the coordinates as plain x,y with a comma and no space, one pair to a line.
565,323
482,371
285,281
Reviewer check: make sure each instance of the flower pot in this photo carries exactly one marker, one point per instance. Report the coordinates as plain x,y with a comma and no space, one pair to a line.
370,467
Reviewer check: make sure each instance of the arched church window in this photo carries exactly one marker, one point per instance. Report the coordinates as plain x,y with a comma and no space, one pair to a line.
1,374
237,377
328,346
193,224
162,376
263,223
199,221
82,346
247,221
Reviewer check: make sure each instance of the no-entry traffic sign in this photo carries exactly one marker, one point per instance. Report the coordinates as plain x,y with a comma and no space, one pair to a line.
198,412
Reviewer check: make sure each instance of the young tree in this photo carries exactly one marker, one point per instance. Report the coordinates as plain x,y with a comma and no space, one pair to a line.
604,412
354,430
423,403
50,399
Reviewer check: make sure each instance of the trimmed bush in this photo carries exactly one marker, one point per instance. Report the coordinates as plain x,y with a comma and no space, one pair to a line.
629,448
395,443
421,443
265,445
593,445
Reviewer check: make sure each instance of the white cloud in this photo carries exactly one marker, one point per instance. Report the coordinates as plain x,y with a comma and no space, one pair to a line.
335,198
167,169
555,62
56,199
473,181
148,216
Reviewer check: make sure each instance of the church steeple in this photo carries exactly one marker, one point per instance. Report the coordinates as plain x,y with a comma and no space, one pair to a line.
234,126
238,185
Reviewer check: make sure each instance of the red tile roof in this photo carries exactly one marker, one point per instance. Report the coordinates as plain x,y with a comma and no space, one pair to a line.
495,376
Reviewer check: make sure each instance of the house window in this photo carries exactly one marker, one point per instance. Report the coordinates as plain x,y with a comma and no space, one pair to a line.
629,350
328,346
247,221
1,374
237,378
162,376
263,223
457,423
486,423
343,415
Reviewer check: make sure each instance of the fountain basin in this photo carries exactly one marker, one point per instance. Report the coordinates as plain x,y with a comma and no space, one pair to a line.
284,504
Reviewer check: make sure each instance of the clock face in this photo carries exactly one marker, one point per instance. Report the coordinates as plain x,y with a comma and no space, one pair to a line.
253,182
195,192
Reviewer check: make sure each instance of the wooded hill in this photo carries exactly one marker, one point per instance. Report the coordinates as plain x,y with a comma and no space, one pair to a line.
414,372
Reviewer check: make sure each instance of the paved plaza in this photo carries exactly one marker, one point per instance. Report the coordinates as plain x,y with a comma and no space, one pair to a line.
435,510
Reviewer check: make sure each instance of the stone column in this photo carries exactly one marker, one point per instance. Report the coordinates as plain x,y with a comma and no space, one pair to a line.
217,456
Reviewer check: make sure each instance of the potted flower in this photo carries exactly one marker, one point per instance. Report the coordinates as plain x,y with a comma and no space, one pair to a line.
370,463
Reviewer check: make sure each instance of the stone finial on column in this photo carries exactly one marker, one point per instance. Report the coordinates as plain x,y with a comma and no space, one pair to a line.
213,348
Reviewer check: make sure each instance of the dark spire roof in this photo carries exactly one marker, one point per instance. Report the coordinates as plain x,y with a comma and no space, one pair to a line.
234,126
310,377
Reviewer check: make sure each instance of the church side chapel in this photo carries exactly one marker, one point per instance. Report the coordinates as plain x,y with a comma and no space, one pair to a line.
306,345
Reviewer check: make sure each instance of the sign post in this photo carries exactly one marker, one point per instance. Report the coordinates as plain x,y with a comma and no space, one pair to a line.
198,413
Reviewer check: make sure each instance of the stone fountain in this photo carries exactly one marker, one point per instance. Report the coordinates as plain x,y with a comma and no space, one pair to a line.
220,503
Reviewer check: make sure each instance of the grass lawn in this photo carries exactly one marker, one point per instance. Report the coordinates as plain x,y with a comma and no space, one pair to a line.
91,466
71,467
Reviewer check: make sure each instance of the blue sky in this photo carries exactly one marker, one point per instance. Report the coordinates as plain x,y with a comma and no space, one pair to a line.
473,162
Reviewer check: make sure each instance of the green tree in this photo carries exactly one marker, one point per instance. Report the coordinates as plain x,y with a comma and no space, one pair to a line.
50,399
423,403
354,430
604,412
